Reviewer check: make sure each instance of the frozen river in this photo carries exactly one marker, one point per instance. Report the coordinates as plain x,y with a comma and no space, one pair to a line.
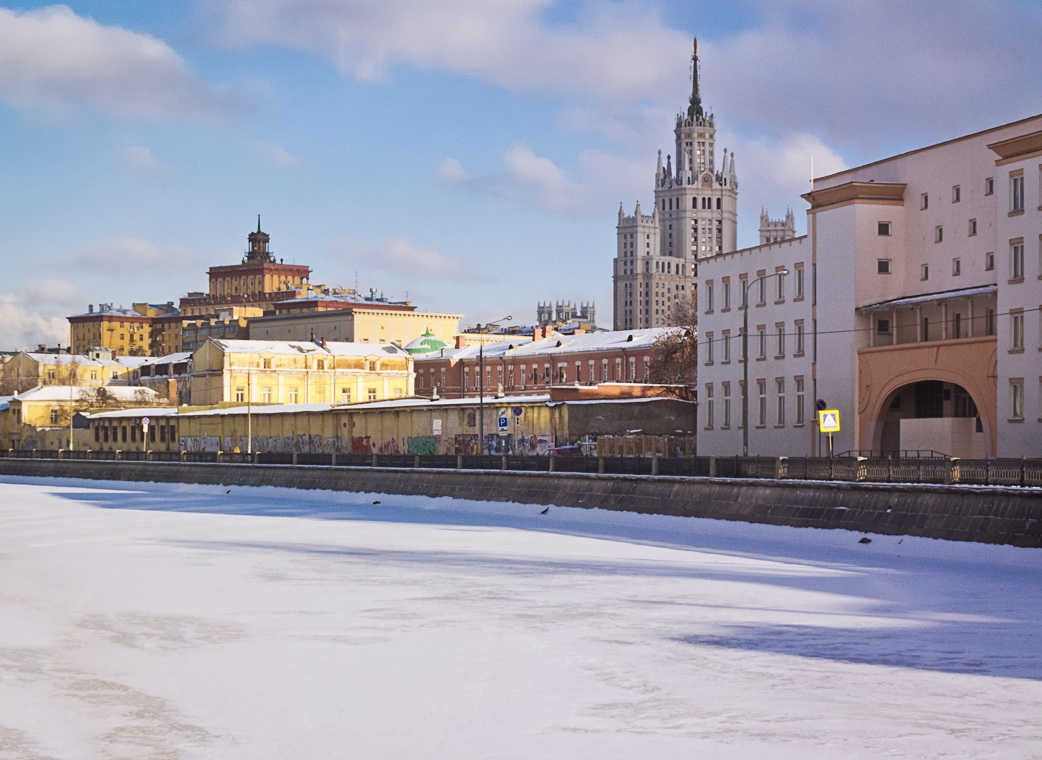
180,621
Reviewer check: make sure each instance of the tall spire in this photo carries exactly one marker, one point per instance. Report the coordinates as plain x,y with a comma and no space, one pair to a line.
258,223
695,109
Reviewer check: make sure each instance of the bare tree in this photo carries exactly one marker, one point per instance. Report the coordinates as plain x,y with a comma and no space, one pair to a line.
674,360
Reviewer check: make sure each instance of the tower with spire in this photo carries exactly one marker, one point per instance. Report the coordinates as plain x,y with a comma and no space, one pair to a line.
695,216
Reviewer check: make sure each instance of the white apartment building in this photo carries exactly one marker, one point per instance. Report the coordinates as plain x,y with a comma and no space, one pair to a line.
913,306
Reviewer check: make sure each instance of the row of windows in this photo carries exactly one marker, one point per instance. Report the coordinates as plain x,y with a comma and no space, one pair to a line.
721,346
1016,192
1016,263
778,415
131,433
590,371
761,285
706,203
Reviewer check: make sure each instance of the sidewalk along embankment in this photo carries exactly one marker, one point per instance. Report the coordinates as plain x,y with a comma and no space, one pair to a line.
958,513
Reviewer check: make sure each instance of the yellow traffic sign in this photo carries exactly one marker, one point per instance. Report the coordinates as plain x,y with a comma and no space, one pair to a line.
828,420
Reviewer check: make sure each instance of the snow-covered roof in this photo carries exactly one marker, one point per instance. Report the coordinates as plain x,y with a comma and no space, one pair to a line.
4,402
175,358
77,392
414,402
912,300
260,409
610,340
152,411
292,347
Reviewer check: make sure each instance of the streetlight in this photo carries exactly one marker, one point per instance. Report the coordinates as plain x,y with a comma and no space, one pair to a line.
481,384
745,357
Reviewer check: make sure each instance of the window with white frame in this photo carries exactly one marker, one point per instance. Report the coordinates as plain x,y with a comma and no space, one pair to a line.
761,334
742,282
761,391
799,281
1016,398
709,296
727,295
240,393
780,329
725,346
345,395
956,267
938,234
973,228
1016,192
989,261
924,272
727,405
799,401
884,229
1016,260
924,201
800,339
780,295
371,394
1016,330
989,186
763,291
709,405
709,348
266,394
293,396
780,388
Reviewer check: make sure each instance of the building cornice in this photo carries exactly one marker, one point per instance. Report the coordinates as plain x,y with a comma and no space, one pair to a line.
891,193
1023,146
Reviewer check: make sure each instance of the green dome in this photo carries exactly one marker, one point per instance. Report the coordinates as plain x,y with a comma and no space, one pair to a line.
425,344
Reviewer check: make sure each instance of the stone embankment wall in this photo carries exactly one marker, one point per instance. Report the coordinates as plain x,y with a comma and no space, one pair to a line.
958,513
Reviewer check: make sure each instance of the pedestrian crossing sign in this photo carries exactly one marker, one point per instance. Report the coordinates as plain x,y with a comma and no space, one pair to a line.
828,420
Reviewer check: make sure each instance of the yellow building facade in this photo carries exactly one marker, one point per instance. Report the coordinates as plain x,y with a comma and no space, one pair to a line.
287,372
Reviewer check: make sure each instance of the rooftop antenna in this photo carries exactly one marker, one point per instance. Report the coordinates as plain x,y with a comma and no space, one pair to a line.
258,223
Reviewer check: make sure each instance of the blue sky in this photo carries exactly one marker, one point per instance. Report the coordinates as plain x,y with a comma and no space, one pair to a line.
469,155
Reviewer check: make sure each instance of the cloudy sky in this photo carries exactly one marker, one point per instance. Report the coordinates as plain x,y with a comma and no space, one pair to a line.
469,155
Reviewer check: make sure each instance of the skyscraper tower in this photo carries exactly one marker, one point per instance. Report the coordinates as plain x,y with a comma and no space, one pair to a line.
695,216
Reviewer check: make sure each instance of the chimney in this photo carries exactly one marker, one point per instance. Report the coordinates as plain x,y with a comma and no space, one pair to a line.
90,308
323,341
312,336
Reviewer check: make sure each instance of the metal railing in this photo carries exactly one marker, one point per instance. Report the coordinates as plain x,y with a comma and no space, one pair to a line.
925,469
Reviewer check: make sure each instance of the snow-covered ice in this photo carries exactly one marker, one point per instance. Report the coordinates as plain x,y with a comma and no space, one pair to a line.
184,621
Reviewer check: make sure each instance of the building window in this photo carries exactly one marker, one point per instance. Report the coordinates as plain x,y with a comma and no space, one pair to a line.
989,186
1016,398
293,396
709,297
938,234
371,394
725,345
799,281
1016,193
345,395
240,393
761,390
727,405
799,400
800,340
266,395
956,267
1016,330
54,415
884,229
709,348
957,326
882,326
562,373
320,364
727,295
781,340
924,272
956,194
397,393
882,266
762,341
709,405
1016,261
762,300
742,282
973,227
989,322
989,261
780,385
924,201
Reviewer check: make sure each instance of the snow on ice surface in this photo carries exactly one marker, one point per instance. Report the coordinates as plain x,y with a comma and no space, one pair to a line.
183,621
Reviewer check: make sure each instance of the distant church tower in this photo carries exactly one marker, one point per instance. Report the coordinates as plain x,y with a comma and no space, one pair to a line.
775,230
695,216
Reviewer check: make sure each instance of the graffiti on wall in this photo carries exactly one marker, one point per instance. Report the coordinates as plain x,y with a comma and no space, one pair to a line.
466,444
423,445
361,444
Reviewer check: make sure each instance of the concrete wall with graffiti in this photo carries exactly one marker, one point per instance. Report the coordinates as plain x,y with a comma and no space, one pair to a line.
521,428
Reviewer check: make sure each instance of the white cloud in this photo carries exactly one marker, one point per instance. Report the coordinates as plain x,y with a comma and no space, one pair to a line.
533,181
611,50
275,154
143,163
129,254
53,60
399,257
35,313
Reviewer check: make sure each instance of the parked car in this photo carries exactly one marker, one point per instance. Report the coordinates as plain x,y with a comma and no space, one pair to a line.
567,451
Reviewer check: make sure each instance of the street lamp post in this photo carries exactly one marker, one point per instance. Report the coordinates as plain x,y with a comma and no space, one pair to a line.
481,384
745,357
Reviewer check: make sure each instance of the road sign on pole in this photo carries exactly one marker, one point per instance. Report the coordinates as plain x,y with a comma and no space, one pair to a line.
820,405
828,420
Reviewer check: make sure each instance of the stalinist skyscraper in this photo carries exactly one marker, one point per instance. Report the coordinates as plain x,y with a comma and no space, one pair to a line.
695,216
